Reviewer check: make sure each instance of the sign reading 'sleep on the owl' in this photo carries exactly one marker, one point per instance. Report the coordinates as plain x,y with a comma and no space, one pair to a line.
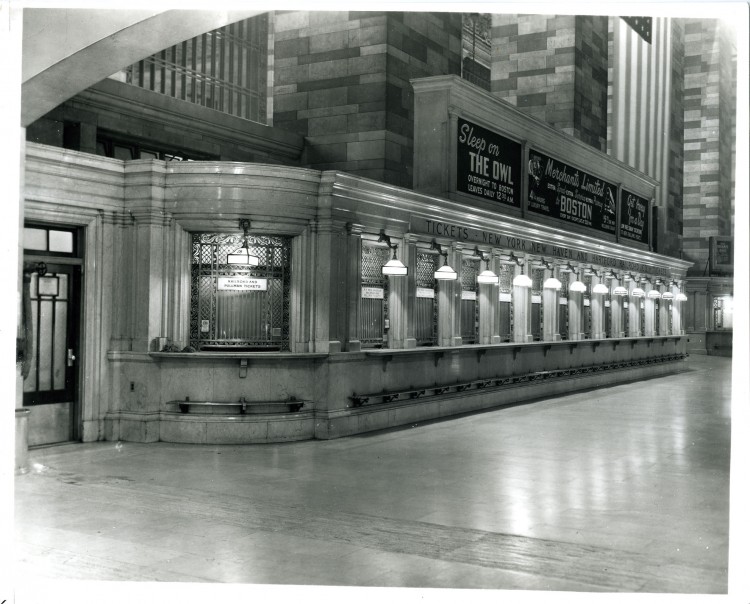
488,165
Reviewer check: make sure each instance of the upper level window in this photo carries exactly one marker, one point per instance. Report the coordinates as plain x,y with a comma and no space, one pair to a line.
224,69
240,307
113,145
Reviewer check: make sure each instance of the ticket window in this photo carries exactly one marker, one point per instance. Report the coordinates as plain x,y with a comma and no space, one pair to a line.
236,306
723,309
607,310
504,311
537,280
374,322
469,303
425,305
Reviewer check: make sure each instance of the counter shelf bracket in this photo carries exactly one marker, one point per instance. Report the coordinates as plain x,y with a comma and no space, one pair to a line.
632,344
594,346
438,356
516,350
243,368
480,353
387,358
572,346
614,344
547,348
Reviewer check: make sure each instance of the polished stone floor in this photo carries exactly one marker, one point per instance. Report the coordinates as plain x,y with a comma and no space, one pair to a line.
620,489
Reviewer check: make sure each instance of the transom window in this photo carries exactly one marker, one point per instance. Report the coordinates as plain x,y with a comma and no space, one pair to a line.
240,307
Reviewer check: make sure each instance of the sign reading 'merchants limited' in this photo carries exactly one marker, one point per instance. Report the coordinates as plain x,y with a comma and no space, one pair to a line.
567,193
488,165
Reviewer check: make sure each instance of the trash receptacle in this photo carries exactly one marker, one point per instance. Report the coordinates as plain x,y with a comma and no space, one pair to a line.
22,440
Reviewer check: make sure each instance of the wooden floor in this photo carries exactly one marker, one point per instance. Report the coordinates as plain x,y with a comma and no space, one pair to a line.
621,489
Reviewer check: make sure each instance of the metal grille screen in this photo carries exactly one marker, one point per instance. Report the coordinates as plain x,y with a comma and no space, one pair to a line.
425,307
374,308
222,317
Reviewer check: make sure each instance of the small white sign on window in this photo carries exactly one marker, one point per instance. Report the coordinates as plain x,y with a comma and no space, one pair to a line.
468,295
373,293
505,297
536,299
586,302
204,326
606,303
241,284
425,292
563,301
625,304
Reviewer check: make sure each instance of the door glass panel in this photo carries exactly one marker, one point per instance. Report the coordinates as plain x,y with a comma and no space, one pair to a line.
61,241
35,239
45,345
59,344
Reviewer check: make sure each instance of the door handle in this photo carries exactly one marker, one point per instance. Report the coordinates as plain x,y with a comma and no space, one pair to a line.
71,357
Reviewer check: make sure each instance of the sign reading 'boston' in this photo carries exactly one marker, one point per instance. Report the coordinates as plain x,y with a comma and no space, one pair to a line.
488,165
567,193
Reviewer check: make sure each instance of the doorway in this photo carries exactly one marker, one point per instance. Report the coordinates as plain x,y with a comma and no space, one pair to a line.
52,295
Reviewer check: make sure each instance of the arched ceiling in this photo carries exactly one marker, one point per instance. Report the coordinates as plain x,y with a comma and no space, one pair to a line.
67,50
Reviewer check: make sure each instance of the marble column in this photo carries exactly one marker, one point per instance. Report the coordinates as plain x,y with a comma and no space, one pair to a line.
649,310
664,309
354,286
550,313
449,300
634,311
597,311
487,300
616,309
398,295
575,309
521,311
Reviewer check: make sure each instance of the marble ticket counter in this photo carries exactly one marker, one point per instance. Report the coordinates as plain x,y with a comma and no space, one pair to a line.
350,393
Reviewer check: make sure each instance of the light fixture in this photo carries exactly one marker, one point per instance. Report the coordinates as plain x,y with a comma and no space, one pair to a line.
638,292
577,286
486,276
445,272
552,283
667,296
243,255
654,294
566,268
620,291
611,275
394,267
681,297
522,281
600,288
510,259
628,277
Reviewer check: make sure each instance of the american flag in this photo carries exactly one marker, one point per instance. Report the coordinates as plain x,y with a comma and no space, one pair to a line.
641,26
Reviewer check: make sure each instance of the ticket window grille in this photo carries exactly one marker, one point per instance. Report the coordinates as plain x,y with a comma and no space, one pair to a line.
562,307
537,280
374,297
587,307
670,328
657,313
504,305
723,308
238,307
626,314
642,303
425,307
469,303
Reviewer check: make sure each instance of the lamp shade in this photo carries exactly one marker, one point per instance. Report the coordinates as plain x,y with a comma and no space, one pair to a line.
638,292
577,286
487,276
394,268
552,283
522,281
653,294
600,288
620,291
446,273
667,296
681,297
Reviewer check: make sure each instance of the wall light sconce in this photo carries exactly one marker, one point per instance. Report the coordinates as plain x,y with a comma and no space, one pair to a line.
522,280
486,276
600,288
394,267
566,268
653,294
445,272
510,259
611,275
577,286
681,297
667,296
628,277
243,255
552,283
